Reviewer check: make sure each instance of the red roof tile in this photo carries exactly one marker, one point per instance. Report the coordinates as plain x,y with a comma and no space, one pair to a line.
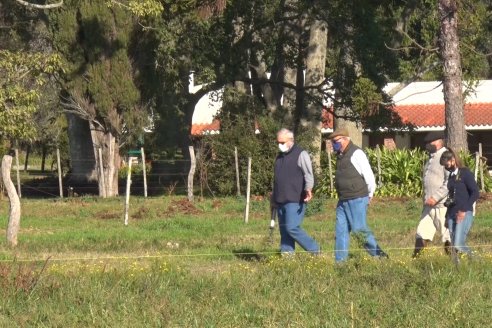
201,129
422,116
432,115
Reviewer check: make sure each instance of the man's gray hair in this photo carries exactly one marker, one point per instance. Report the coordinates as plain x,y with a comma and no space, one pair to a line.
287,132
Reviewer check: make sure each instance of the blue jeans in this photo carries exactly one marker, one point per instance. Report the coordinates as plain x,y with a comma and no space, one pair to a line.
351,217
459,232
290,217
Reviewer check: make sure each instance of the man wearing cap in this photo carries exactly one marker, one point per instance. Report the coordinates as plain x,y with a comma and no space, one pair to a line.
435,181
292,189
355,184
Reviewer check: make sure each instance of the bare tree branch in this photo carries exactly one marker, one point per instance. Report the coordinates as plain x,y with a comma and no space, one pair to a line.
418,45
33,5
80,107
418,75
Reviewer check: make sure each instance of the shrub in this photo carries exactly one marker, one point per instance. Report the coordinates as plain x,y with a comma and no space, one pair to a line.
398,172
238,130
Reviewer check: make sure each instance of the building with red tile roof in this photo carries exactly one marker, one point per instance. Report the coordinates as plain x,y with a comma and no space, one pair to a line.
420,104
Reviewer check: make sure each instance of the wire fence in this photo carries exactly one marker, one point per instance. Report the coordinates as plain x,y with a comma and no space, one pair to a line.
165,177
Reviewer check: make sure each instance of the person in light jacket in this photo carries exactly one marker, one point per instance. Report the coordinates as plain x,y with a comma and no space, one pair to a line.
435,179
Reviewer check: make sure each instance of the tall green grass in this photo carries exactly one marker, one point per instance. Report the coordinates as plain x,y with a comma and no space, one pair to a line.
182,265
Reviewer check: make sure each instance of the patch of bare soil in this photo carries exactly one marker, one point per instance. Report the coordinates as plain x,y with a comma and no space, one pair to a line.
141,213
216,204
182,206
485,196
105,215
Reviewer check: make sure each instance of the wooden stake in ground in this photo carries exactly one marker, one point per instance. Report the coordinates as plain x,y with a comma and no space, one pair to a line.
58,161
144,171
330,173
17,170
481,166
128,184
103,187
237,172
248,187
191,174
15,210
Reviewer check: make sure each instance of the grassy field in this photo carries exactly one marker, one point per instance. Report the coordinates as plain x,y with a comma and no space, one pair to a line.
199,265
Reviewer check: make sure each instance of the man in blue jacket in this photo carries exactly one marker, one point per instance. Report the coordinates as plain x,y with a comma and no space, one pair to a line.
292,190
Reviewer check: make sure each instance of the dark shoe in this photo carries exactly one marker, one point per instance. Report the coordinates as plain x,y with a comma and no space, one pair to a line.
383,255
447,247
420,244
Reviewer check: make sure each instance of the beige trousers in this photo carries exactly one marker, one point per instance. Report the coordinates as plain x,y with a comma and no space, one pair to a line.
432,220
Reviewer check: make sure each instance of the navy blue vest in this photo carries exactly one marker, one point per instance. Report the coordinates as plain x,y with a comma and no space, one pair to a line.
288,185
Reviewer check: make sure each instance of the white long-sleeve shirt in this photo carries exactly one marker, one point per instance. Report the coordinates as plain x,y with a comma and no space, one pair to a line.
361,163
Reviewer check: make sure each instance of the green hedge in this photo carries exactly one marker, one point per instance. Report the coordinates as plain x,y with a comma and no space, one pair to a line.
398,172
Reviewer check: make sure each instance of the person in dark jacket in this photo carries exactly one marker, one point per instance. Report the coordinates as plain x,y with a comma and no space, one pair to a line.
463,193
292,190
355,184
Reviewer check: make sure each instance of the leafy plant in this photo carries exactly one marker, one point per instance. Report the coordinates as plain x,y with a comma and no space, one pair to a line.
239,130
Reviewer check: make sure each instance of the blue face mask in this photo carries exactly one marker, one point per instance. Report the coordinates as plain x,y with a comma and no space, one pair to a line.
337,146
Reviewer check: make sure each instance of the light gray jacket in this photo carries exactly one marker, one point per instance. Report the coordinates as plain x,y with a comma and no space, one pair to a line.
436,178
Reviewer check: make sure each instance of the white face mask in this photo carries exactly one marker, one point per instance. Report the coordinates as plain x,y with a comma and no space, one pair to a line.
283,147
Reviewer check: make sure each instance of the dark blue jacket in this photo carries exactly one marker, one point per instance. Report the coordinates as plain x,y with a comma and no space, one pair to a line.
288,185
463,190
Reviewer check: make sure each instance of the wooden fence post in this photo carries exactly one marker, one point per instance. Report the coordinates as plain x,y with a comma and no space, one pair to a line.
17,170
378,154
237,172
58,162
144,172
128,183
191,174
482,184
248,187
15,209
330,173
101,172
477,164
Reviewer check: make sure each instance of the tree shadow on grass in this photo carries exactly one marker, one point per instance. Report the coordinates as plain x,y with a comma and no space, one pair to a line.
249,255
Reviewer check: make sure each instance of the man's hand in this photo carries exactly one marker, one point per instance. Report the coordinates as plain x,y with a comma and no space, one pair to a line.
309,195
460,216
430,201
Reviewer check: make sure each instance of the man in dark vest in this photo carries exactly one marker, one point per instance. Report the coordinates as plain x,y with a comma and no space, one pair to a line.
292,189
355,185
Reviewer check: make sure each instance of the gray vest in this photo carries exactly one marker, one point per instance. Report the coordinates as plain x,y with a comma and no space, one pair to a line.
348,182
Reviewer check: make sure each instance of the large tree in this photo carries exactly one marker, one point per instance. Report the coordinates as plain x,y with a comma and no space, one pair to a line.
99,92
451,58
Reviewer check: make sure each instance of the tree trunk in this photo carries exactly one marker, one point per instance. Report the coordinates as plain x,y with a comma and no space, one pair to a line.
348,71
15,209
107,185
43,157
315,76
82,159
28,151
259,71
452,82
239,85
291,62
